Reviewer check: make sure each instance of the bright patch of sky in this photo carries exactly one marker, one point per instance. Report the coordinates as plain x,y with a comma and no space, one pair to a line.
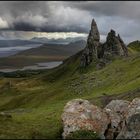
30,35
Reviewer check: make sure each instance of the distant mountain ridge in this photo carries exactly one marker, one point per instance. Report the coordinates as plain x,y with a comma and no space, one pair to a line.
57,41
16,42
37,40
56,49
44,53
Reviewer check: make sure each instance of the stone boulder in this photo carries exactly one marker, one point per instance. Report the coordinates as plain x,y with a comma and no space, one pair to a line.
120,119
131,124
116,111
82,115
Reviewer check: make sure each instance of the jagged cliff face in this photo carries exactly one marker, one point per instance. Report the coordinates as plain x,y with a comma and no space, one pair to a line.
114,45
94,50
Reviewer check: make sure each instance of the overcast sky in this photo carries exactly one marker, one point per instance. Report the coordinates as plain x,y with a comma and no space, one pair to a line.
41,18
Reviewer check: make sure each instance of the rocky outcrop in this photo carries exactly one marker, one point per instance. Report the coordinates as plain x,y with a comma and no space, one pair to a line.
94,50
131,124
120,119
116,111
114,46
90,52
80,114
124,47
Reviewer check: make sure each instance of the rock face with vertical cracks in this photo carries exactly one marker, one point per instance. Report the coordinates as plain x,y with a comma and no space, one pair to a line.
90,51
131,124
116,111
120,119
114,45
95,51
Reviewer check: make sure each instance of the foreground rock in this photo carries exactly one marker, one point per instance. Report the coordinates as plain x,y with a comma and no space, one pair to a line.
120,119
116,111
131,124
81,115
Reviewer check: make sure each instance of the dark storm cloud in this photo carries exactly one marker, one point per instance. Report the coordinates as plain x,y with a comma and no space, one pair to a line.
42,16
21,26
71,16
126,9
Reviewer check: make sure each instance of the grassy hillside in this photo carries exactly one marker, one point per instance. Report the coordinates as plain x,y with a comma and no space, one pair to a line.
36,102
134,46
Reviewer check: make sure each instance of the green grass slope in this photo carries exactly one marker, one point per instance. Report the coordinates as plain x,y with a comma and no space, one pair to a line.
134,46
36,102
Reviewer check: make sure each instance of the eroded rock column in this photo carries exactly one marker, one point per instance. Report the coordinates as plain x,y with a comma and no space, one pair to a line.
90,52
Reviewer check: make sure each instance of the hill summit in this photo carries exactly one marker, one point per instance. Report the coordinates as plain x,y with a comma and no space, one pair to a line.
95,50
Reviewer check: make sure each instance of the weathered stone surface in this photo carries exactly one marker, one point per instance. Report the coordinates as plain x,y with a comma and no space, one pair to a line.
120,119
131,124
80,114
90,52
114,45
125,50
116,110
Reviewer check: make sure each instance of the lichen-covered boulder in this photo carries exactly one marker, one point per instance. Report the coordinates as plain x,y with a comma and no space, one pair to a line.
120,119
116,110
131,124
82,115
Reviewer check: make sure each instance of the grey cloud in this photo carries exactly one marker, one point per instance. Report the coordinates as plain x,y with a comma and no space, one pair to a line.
43,16
72,16
125,9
